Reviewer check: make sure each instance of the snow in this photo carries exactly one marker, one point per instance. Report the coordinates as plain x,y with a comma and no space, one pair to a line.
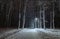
35,34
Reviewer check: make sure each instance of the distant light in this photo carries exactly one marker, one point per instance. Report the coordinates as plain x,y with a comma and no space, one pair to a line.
36,19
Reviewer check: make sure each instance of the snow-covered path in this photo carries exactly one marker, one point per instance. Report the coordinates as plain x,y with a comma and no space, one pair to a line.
31,34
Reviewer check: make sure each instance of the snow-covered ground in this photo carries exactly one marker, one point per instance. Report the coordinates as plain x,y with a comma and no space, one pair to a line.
6,32
35,34
55,32
51,32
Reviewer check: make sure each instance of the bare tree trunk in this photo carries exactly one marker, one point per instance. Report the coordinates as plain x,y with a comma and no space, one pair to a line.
19,16
53,16
40,18
44,17
9,17
50,20
19,19
24,13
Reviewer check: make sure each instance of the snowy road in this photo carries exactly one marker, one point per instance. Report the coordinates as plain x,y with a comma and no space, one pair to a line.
31,34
